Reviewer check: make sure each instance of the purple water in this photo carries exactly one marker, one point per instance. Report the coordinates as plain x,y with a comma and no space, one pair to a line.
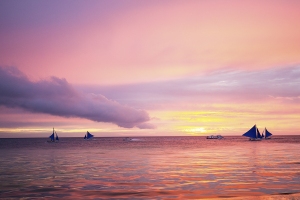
150,168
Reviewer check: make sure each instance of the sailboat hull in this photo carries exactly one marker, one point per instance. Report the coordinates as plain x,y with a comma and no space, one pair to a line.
255,139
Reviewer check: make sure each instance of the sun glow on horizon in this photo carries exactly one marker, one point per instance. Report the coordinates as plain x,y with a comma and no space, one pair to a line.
194,130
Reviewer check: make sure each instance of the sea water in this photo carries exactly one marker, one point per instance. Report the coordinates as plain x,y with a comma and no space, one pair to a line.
150,168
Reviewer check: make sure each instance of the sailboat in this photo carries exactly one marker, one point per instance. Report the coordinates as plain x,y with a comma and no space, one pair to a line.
53,137
267,134
253,134
88,136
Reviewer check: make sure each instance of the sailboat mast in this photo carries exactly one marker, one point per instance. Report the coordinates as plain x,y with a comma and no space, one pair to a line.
265,132
256,131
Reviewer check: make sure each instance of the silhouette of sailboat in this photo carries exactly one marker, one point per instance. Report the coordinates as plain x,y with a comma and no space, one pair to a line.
53,137
88,136
253,134
267,134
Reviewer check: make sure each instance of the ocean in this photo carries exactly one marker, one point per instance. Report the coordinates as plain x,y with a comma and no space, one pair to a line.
150,168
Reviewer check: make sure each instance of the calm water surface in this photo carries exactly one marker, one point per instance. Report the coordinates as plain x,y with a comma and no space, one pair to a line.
150,168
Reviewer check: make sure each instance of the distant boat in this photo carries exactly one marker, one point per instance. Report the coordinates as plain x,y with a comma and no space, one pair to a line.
127,139
267,134
253,134
214,137
53,137
88,136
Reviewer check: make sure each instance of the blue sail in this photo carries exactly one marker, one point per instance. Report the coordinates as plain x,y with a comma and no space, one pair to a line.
52,136
56,137
268,134
251,133
88,135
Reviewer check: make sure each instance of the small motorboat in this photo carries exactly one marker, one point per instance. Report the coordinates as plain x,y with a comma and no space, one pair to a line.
127,139
214,137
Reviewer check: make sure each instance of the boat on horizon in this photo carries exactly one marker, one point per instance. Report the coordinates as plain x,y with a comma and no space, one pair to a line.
53,137
127,139
88,136
253,134
267,134
214,137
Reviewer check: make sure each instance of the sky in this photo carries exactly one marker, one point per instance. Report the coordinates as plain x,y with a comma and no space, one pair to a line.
149,68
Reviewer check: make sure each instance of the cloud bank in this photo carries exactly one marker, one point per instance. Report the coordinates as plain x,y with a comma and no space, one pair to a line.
57,97
225,86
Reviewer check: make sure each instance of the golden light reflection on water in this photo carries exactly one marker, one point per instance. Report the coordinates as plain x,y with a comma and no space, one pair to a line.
153,167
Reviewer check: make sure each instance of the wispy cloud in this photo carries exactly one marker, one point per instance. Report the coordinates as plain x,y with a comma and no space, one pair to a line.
225,86
131,41
57,97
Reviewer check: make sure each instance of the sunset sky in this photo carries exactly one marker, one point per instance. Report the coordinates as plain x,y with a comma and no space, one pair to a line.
149,68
